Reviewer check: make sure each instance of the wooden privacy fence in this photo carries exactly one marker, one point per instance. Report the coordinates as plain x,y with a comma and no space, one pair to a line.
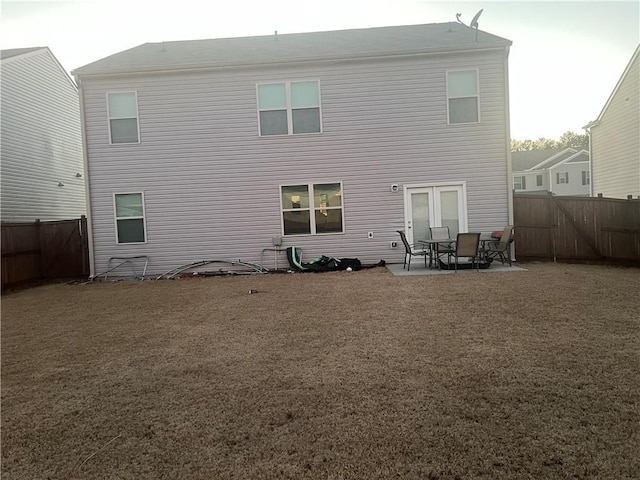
577,229
37,251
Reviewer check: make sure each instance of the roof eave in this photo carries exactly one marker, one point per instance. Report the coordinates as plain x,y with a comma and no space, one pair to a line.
615,89
327,59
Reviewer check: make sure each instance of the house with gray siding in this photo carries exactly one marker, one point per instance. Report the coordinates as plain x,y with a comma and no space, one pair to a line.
41,157
614,138
331,141
561,171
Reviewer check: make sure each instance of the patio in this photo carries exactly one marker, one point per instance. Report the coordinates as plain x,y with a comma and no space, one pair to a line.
418,268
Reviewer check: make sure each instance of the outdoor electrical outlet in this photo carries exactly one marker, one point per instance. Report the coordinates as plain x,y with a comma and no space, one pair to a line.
394,244
370,235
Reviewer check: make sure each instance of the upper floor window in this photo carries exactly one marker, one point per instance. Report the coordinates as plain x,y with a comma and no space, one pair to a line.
519,183
586,177
312,208
562,177
538,180
289,108
123,117
462,97
129,208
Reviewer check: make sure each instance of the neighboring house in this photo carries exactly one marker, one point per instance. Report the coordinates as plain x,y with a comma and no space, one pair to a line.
556,171
41,145
333,140
615,138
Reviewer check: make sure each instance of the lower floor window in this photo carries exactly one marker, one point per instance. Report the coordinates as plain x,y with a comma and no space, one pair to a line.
562,177
519,183
586,177
312,208
129,208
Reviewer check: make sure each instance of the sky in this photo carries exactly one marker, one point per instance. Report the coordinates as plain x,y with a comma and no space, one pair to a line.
565,60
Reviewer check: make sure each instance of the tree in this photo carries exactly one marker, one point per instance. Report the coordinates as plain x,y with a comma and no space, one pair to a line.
572,139
568,139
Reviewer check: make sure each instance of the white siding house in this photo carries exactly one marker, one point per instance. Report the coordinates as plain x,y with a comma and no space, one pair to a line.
615,138
558,172
333,140
41,144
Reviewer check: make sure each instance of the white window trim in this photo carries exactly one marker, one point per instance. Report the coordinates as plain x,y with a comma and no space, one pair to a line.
312,208
564,176
109,117
523,182
446,81
289,108
116,218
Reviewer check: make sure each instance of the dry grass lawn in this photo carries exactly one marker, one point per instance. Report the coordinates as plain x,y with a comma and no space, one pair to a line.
363,375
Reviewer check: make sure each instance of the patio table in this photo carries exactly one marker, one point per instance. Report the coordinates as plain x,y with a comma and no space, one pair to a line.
433,247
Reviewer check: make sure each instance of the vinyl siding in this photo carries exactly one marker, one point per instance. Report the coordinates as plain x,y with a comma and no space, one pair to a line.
615,141
211,184
574,187
41,141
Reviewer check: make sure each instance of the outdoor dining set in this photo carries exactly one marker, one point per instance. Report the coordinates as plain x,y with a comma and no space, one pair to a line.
474,249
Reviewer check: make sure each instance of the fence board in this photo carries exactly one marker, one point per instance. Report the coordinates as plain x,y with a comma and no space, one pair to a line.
586,229
39,251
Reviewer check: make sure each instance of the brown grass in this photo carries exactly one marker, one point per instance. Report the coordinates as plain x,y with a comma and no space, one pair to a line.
527,375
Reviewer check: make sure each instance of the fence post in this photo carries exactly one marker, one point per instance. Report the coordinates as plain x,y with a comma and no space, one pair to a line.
41,271
85,245
554,226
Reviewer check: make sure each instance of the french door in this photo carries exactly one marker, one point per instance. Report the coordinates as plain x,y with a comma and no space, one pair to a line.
434,206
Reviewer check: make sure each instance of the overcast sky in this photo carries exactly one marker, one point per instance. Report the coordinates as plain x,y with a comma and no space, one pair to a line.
565,60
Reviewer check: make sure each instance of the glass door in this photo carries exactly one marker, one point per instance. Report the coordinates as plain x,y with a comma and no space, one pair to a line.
434,206
419,209
450,212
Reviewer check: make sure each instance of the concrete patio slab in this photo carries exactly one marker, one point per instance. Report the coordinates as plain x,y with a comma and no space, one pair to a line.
417,268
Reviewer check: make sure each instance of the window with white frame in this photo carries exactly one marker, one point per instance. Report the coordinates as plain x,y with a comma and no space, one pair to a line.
538,180
311,209
123,117
562,177
519,183
586,177
289,108
129,210
462,97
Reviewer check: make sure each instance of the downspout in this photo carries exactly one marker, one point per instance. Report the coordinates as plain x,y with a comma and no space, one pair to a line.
507,117
587,128
87,188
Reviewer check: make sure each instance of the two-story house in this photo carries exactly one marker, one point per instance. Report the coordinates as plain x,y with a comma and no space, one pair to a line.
40,139
561,171
333,140
614,138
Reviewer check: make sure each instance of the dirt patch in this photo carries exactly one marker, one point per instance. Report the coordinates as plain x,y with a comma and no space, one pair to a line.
341,375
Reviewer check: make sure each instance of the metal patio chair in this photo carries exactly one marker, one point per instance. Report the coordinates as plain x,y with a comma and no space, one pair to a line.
500,248
412,251
441,249
467,245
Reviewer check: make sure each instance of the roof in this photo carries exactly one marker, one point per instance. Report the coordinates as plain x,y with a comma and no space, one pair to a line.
14,52
521,161
634,58
543,159
296,47
581,156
